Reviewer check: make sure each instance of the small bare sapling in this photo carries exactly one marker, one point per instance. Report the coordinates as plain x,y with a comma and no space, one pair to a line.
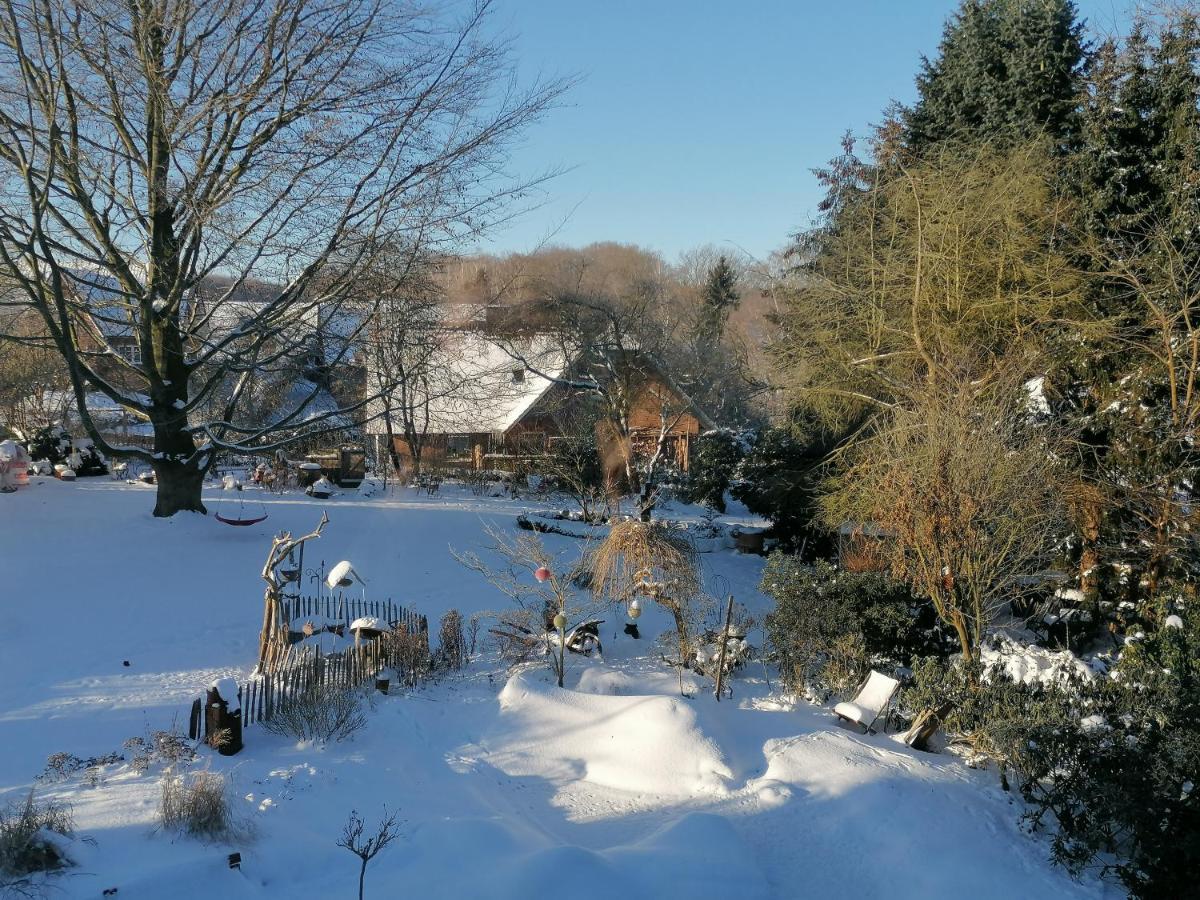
367,848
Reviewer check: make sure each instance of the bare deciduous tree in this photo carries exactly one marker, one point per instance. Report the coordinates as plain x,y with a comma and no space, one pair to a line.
405,349
366,849
953,266
537,601
209,178
573,463
33,381
615,347
966,493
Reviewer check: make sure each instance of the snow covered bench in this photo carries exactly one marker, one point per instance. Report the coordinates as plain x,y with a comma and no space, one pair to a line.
870,702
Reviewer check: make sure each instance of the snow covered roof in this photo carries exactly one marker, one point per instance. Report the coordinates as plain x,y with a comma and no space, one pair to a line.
476,386
108,306
104,411
321,408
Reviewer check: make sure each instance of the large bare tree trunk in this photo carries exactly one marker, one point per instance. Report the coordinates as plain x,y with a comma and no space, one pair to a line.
179,487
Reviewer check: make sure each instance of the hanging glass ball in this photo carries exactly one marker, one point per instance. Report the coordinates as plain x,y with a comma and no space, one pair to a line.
541,573
634,610
560,621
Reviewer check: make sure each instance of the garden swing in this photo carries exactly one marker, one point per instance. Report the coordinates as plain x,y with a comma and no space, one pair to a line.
242,519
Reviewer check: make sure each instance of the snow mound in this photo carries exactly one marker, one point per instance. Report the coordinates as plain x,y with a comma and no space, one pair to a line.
865,809
641,744
607,682
698,856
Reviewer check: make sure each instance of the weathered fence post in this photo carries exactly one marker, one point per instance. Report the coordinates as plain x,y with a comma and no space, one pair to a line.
222,726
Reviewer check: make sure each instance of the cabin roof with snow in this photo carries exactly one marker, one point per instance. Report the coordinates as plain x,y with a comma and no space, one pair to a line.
477,387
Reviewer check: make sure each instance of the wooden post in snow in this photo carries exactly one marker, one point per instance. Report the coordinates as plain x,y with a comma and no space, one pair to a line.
724,642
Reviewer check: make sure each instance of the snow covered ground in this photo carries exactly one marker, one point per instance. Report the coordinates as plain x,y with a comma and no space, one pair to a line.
506,786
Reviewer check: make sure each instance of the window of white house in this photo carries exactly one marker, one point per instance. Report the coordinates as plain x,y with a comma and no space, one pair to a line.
131,351
518,374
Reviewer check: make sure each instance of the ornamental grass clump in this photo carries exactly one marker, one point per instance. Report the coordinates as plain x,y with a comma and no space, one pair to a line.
649,559
28,841
197,804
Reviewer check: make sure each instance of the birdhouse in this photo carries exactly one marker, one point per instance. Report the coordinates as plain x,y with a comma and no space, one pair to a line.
367,628
342,575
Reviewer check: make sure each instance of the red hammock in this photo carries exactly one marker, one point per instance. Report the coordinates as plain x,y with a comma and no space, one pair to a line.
221,518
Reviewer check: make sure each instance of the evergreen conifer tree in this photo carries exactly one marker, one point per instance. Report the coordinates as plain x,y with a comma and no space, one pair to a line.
1006,71
720,298
1129,396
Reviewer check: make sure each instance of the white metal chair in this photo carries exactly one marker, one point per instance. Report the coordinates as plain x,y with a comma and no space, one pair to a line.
868,705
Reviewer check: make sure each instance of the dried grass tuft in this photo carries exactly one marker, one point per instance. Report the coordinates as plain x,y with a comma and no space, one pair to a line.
27,841
637,555
197,804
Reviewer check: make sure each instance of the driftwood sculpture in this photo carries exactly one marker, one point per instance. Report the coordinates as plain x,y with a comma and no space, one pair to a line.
273,641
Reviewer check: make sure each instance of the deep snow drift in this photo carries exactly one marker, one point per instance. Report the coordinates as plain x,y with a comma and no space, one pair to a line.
506,785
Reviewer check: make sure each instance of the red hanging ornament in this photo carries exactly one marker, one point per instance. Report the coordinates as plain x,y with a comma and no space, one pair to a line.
541,573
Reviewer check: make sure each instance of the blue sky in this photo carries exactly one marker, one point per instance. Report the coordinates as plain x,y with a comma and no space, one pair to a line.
699,122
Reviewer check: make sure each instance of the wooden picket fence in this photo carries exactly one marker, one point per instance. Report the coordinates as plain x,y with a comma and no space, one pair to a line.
307,668
346,610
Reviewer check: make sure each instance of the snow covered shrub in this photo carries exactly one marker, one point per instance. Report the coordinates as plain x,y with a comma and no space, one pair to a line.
61,766
52,443
28,844
829,626
1123,781
452,647
712,469
322,714
197,804
169,747
1108,765
90,461
988,714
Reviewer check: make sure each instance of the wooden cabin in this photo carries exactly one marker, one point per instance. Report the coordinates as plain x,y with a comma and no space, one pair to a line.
496,414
